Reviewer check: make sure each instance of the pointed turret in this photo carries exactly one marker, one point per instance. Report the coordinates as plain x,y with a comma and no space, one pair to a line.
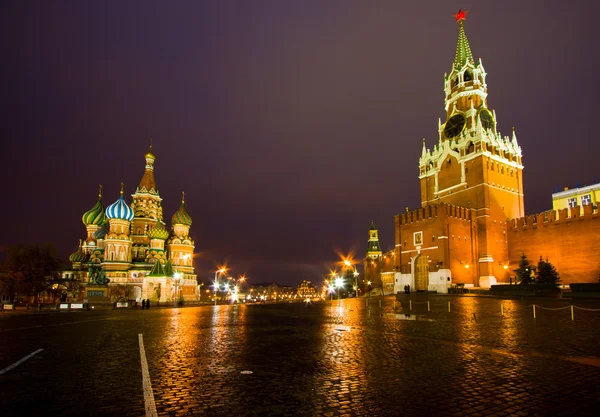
463,50
157,270
147,183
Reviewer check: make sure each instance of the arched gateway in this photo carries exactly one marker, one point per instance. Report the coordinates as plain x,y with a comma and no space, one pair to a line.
421,277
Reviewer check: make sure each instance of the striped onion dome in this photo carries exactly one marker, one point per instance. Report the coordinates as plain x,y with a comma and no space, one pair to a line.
181,216
100,233
78,256
95,215
119,209
158,231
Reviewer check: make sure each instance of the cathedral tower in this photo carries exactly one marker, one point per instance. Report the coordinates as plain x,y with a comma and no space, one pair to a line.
93,219
473,165
147,208
117,243
180,244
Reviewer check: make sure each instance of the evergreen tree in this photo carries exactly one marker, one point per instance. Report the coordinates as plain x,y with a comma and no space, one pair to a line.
546,273
524,271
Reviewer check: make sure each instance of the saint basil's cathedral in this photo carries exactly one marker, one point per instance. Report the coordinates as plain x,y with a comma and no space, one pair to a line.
129,254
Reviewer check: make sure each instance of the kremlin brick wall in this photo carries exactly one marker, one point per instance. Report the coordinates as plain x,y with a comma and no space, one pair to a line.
567,237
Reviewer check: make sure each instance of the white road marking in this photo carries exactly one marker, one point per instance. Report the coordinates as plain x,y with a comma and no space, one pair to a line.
146,383
19,362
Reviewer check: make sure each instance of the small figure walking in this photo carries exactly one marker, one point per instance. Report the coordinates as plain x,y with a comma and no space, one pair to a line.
408,289
143,304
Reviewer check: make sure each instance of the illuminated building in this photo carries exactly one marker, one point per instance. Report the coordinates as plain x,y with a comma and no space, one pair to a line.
580,196
307,290
129,245
471,227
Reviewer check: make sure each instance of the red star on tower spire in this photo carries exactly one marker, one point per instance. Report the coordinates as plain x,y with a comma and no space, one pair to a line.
461,15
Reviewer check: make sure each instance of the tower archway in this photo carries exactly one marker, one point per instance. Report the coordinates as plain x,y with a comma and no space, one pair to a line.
421,278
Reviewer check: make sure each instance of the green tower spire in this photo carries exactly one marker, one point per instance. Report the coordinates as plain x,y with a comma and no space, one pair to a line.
157,269
463,50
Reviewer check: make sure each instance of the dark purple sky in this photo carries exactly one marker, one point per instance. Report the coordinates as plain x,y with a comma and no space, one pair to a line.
290,125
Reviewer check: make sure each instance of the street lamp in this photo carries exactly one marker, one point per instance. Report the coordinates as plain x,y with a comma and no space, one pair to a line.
351,265
177,278
237,285
216,283
331,290
339,283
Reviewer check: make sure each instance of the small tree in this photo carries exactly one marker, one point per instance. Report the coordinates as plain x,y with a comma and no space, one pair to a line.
30,267
546,273
524,271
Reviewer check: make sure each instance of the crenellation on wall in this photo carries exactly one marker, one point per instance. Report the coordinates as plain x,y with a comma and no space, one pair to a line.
554,217
433,211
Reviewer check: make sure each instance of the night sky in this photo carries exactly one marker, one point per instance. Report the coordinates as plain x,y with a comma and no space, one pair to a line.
290,125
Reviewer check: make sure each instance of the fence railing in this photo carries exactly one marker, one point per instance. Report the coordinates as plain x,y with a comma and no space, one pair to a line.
413,305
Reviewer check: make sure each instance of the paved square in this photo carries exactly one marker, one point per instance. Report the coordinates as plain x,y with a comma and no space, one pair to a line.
333,358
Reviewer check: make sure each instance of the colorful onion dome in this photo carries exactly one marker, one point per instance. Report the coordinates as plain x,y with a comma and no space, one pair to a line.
158,231
100,233
78,255
95,215
181,216
119,209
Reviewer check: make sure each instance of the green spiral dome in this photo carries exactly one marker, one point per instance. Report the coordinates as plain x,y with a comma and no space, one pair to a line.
78,256
95,215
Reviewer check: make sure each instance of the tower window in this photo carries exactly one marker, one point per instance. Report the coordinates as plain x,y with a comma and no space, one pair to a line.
468,76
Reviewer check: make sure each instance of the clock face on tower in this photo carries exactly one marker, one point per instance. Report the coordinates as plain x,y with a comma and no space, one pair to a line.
487,120
454,126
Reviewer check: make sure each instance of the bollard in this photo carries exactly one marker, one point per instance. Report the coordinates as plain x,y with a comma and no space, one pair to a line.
534,311
379,303
367,300
501,309
410,305
448,306
394,304
572,313
428,307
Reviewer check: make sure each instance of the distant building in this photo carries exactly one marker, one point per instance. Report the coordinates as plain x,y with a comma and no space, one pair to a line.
471,227
129,253
307,290
580,196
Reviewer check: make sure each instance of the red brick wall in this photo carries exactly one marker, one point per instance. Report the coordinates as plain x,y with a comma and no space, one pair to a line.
571,243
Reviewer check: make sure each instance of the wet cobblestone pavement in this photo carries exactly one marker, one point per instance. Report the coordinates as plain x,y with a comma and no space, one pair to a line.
353,358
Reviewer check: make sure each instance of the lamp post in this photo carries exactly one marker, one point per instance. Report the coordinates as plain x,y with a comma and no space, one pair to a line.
355,273
216,283
177,277
237,285
339,283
